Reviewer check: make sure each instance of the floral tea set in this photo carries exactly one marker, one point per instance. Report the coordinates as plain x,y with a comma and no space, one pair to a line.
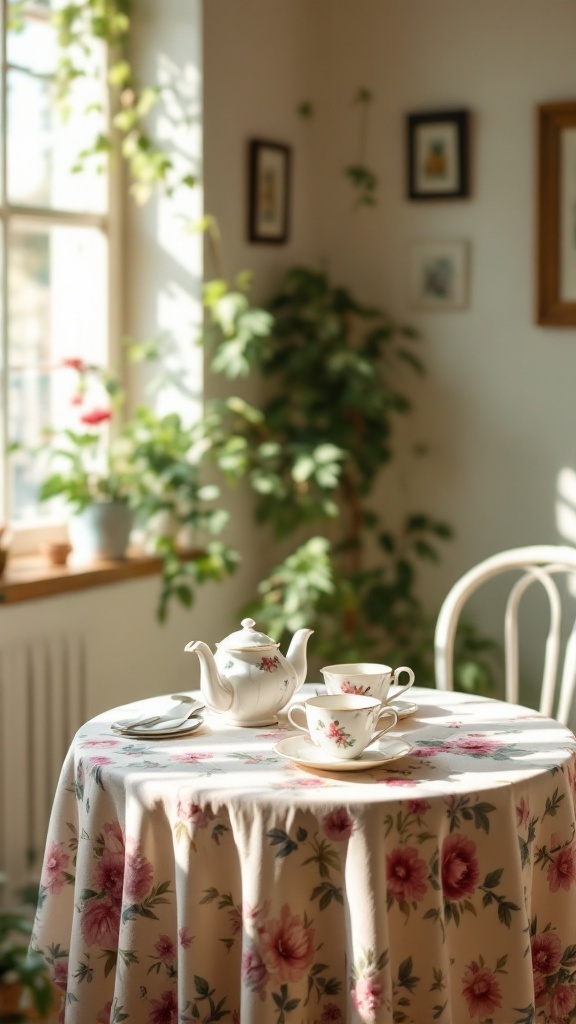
248,681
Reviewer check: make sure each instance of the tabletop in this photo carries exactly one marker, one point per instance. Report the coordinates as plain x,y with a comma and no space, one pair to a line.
207,878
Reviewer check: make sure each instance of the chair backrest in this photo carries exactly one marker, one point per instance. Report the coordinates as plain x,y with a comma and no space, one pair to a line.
538,563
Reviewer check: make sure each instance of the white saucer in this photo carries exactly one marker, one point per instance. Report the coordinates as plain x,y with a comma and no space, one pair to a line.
403,708
156,733
302,750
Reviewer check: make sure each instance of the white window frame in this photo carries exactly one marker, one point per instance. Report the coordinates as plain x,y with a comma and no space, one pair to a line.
27,539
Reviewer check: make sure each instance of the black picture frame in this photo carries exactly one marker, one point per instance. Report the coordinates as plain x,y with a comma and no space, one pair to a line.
269,174
438,155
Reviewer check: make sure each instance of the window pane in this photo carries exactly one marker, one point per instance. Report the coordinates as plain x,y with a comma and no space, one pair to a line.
31,39
42,148
56,311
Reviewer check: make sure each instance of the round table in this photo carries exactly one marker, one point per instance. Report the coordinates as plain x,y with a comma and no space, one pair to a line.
206,878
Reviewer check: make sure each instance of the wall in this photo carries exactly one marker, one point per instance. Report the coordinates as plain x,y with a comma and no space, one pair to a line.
497,408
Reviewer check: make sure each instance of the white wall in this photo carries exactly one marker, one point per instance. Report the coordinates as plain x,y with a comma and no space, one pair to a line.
498,407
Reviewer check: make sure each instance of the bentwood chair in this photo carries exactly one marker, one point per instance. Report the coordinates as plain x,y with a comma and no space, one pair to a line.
536,564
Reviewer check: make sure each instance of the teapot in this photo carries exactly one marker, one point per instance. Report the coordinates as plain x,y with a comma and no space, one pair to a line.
248,680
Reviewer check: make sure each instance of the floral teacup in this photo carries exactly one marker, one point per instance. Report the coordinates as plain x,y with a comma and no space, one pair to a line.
368,679
342,725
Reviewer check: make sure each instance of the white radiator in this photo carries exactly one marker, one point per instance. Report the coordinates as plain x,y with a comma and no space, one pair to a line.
42,704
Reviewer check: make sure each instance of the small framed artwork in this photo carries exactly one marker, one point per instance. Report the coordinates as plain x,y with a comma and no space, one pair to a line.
556,259
438,155
269,192
438,275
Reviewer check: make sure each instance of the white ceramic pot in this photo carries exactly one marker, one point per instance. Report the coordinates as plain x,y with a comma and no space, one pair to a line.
101,530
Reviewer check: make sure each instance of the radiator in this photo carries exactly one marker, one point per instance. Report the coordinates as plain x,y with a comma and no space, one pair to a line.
42,704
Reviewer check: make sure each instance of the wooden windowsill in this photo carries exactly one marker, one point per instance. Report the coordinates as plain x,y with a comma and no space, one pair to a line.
27,578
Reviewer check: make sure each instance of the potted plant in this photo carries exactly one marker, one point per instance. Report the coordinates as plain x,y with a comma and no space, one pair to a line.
26,990
113,472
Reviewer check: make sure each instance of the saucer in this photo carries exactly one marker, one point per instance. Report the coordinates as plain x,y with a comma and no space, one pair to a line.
303,751
403,708
156,733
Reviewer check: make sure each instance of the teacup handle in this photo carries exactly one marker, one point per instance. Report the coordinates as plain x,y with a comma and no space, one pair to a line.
402,687
301,710
388,712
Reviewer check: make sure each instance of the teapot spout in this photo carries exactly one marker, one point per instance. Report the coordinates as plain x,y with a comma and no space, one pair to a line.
216,692
296,655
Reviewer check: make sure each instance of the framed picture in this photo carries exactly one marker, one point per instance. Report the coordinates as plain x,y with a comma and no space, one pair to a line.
438,155
438,275
269,191
556,272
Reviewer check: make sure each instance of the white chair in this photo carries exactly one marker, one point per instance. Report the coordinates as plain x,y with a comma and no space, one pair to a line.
536,564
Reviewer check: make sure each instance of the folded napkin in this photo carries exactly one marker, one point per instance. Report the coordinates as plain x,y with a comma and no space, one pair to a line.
172,718
160,730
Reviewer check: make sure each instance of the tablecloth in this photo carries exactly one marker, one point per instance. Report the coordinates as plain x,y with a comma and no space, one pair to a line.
206,878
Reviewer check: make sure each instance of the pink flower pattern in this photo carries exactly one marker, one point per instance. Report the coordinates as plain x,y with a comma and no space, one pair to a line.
434,842
561,872
287,946
406,874
368,996
348,687
338,825
460,871
481,991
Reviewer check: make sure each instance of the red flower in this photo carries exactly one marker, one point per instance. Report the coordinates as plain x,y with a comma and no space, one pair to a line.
561,872
406,873
481,991
77,399
338,825
101,922
334,733
331,1013
562,1001
418,807
459,867
74,364
546,952
193,813
109,873
165,949
164,1010
95,416
268,664
348,687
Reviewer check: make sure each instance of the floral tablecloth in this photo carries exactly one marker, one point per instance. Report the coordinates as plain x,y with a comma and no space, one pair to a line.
205,878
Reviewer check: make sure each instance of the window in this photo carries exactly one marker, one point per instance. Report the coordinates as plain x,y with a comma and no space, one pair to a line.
55,242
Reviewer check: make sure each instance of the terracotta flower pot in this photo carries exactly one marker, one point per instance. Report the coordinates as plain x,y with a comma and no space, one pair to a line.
56,552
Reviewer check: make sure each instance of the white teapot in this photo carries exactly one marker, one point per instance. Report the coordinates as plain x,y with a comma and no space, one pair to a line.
248,680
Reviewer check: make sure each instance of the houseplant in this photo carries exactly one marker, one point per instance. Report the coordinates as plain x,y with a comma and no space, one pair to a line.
26,990
145,466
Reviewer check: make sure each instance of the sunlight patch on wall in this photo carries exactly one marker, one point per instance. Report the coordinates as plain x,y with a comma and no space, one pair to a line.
566,511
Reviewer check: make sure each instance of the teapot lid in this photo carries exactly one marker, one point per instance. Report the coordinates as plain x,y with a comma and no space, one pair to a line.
246,638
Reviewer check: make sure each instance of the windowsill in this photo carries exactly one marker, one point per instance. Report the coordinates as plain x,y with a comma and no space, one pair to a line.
27,578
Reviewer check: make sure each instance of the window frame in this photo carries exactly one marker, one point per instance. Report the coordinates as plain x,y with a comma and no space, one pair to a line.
27,538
